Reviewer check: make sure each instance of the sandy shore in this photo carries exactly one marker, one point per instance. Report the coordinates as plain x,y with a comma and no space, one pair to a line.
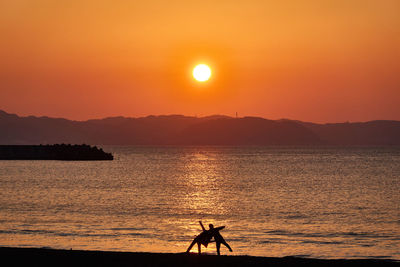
52,257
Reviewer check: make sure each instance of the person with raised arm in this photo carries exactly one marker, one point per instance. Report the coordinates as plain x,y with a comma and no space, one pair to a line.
204,238
218,237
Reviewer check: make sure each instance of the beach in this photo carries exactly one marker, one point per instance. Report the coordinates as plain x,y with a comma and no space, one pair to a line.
54,257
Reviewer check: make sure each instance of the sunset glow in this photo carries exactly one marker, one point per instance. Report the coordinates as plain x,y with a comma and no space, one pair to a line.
330,62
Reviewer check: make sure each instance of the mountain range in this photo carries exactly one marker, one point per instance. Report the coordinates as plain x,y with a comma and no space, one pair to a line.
185,130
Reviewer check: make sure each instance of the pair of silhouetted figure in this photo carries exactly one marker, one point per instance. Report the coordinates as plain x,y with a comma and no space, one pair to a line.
205,237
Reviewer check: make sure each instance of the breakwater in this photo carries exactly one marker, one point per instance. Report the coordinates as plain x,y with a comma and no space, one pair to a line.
53,152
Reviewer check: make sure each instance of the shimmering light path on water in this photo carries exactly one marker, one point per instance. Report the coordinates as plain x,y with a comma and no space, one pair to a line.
313,202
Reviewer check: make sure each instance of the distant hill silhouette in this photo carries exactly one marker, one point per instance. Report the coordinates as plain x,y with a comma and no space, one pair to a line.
183,130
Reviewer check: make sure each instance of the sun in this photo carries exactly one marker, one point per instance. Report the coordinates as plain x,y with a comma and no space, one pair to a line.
202,73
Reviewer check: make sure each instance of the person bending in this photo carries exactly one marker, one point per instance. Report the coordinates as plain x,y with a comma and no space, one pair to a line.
204,238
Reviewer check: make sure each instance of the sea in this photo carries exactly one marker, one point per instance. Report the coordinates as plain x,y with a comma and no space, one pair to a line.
315,202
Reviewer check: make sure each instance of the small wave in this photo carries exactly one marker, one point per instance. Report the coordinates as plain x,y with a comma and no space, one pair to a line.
296,217
7,232
366,234
273,241
96,235
322,242
56,233
126,229
330,235
366,245
132,234
276,232
293,215
35,231
354,234
287,233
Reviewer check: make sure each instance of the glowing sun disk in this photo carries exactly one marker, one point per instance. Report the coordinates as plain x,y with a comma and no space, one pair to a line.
202,73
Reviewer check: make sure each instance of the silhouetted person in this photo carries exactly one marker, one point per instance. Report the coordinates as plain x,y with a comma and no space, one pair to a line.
205,237
202,239
218,237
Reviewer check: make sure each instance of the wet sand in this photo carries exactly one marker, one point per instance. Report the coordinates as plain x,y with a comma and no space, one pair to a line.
53,257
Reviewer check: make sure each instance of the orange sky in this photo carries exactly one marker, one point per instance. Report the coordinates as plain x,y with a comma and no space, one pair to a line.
320,61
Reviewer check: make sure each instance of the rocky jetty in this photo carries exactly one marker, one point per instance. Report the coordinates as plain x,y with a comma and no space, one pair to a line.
53,152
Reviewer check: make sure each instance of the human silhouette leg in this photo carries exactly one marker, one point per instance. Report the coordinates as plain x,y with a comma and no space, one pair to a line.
191,245
218,245
226,245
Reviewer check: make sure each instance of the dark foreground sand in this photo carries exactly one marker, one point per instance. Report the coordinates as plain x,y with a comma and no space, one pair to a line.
51,257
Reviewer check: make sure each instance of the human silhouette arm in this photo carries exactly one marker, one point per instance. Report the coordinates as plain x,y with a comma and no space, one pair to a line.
202,226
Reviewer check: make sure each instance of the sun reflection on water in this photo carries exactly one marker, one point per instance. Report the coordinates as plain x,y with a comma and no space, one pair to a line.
203,198
203,195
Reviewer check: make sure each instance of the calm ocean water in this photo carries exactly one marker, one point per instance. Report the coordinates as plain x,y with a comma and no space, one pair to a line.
310,202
